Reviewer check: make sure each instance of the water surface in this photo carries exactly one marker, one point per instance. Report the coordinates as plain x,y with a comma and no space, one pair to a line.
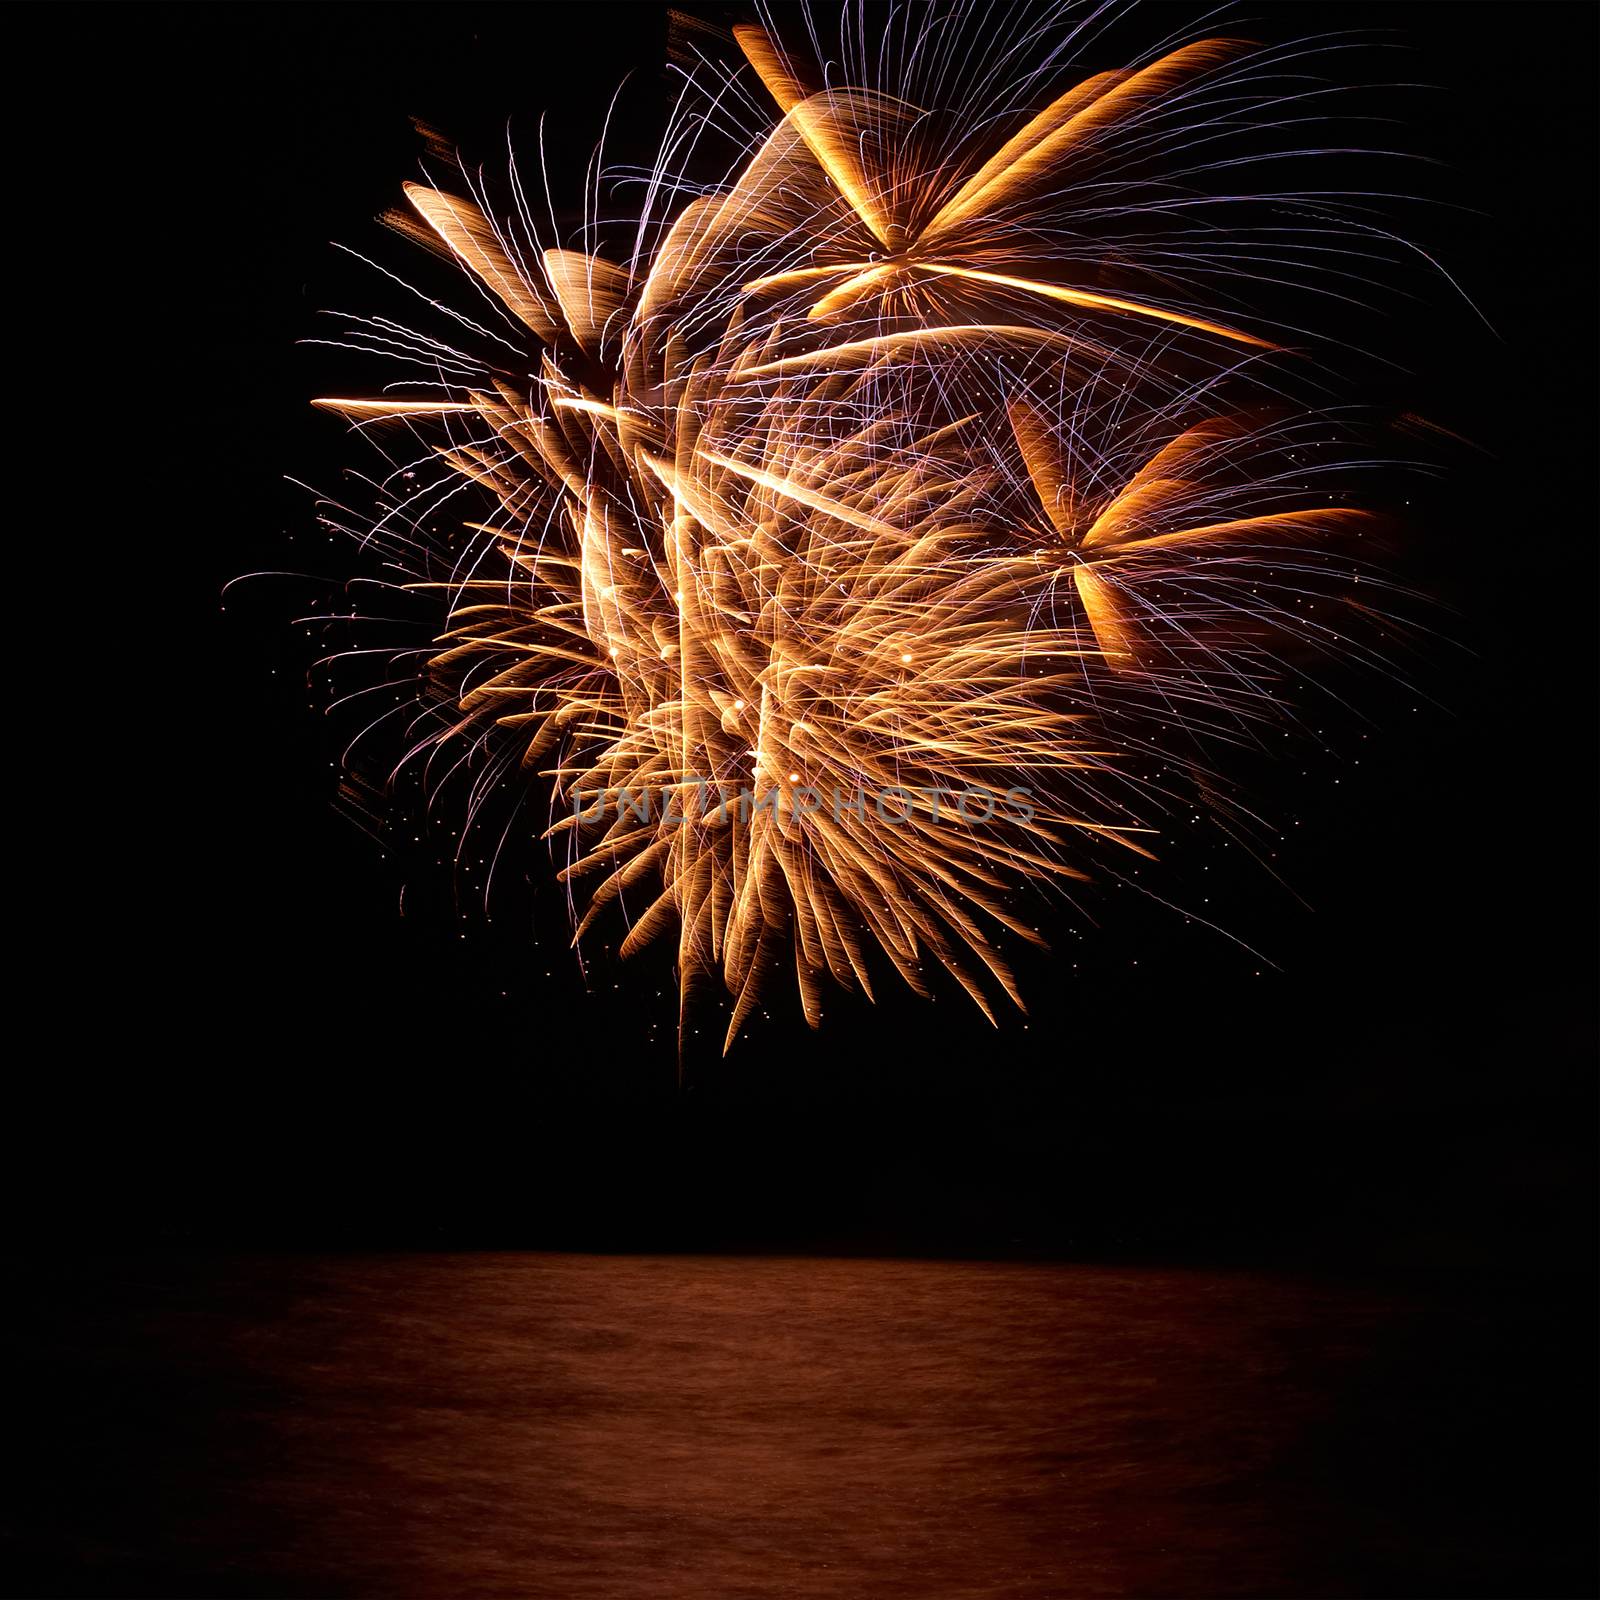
577,1426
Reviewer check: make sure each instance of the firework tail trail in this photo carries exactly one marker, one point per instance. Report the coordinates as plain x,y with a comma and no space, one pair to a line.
870,471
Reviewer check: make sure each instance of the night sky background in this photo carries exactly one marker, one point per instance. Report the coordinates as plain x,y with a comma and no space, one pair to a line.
258,1026
264,1042
263,1045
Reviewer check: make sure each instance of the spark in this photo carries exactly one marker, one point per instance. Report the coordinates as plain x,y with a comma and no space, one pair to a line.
850,474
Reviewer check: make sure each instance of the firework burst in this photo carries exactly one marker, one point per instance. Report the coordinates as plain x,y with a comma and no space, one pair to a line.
917,460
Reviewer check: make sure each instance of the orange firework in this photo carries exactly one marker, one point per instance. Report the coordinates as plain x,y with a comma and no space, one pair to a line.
841,537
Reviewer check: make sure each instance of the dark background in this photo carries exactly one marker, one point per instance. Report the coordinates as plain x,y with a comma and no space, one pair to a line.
254,1041
236,1036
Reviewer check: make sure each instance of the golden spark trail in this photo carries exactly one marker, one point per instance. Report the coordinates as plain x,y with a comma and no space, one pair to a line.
845,486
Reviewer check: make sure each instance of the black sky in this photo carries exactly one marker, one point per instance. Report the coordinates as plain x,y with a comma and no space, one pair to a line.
253,1042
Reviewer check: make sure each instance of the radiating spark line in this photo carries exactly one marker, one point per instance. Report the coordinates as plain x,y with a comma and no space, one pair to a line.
837,485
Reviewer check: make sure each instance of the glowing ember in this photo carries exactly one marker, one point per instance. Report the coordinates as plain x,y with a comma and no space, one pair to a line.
847,481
